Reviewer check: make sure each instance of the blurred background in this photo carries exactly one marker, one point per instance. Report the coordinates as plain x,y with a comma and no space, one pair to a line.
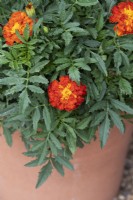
126,189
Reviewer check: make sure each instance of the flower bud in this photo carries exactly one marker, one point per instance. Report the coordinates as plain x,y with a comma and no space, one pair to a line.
104,57
30,10
45,28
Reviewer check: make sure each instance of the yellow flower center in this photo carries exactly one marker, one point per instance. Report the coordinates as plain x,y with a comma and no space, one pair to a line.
129,12
66,92
128,22
15,27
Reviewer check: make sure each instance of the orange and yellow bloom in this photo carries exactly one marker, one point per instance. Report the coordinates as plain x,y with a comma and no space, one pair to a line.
17,21
66,94
122,15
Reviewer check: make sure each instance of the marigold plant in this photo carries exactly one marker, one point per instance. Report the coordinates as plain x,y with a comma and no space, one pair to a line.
66,73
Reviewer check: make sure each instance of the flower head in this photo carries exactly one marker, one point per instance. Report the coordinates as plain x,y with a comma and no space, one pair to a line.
122,14
30,10
66,94
17,21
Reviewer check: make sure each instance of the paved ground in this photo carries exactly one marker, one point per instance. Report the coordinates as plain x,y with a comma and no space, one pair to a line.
126,190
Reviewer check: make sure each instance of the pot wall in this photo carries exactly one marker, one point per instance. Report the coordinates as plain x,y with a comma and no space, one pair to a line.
97,172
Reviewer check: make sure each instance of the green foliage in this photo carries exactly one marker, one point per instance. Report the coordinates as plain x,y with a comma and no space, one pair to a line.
8,136
74,38
44,174
86,2
104,130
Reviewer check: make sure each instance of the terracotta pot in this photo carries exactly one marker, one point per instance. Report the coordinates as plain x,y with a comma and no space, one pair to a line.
97,172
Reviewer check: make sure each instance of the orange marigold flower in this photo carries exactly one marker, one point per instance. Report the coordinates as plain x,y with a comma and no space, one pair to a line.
122,14
17,21
66,94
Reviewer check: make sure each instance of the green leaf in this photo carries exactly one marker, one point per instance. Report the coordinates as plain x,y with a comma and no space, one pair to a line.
8,136
37,146
110,4
83,135
116,120
70,130
7,54
71,24
35,89
47,118
44,174
71,143
117,59
20,37
104,130
69,120
55,141
92,43
53,148
38,79
3,60
127,72
18,46
86,2
61,9
15,89
33,41
81,63
14,53
125,59
100,63
36,118
95,90
83,66
78,30
58,167
37,25
11,81
125,86
67,36
121,106
68,16
100,22
98,106
62,61
43,154
8,111
98,118
92,132
24,101
65,162
74,74
87,135
34,163
27,32
57,31
84,123
63,66
93,32
127,46
31,154
39,66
